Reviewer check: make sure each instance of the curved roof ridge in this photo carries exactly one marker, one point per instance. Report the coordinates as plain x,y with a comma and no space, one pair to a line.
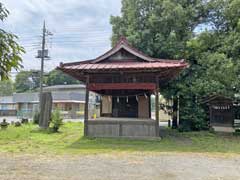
170,60
123,43
75,63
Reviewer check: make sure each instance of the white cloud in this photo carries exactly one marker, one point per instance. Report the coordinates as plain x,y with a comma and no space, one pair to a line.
81,28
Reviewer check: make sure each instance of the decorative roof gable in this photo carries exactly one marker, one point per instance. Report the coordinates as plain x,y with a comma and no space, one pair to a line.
124,53
121,45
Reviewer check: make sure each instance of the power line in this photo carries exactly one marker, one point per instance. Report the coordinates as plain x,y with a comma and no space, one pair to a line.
29,41
80,28
69,37
82,32
27,36
79,40
30,35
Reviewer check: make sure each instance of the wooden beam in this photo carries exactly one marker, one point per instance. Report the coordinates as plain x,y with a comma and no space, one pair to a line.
126,92
86,109
157,106
211,115
117,86
149,105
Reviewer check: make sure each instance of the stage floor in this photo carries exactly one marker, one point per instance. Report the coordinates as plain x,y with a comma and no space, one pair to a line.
121,119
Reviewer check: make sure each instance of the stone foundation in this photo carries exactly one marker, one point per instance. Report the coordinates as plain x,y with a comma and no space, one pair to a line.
121,127
223,129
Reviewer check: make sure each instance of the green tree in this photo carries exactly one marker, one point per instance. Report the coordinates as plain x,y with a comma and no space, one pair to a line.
214,59
10,50
162,28
159,28
56,77
167,29
27,80
6,88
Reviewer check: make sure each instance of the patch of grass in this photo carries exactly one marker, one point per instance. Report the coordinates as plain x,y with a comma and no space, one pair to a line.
29,139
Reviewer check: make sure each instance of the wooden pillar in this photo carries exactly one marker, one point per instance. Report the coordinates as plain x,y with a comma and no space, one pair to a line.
86,109
178,109
149,105
211,115
233,114
100,105
157,107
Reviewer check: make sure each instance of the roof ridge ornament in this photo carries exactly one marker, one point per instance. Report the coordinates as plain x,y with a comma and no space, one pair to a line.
123,44
122,38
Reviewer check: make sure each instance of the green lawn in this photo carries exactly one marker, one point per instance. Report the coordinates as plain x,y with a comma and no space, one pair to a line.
29,139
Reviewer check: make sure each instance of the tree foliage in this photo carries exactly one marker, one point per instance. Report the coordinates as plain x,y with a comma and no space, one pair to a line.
27,80
10,50
6,88
30,80
160,28
170,29
56,77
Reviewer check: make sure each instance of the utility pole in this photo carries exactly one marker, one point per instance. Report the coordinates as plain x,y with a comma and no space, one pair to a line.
44,103
42,62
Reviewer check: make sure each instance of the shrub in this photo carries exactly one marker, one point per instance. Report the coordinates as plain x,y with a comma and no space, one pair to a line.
185,126
192,116
36,118
56,120
211,130
237,132
24,121
17,124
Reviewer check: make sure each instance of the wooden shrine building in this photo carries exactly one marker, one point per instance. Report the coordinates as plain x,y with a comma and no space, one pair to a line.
125,78
221,113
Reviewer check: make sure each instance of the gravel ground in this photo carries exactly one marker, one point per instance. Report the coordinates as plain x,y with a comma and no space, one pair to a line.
120,166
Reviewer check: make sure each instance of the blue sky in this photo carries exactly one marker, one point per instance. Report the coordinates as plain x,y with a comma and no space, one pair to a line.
81,29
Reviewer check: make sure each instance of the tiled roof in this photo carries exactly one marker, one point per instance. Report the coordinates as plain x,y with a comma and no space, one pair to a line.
64,87
125,66
124,58
68,96
6,99
123,44
57,96
25,97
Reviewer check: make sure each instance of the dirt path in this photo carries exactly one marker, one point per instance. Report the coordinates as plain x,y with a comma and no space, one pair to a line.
122,166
